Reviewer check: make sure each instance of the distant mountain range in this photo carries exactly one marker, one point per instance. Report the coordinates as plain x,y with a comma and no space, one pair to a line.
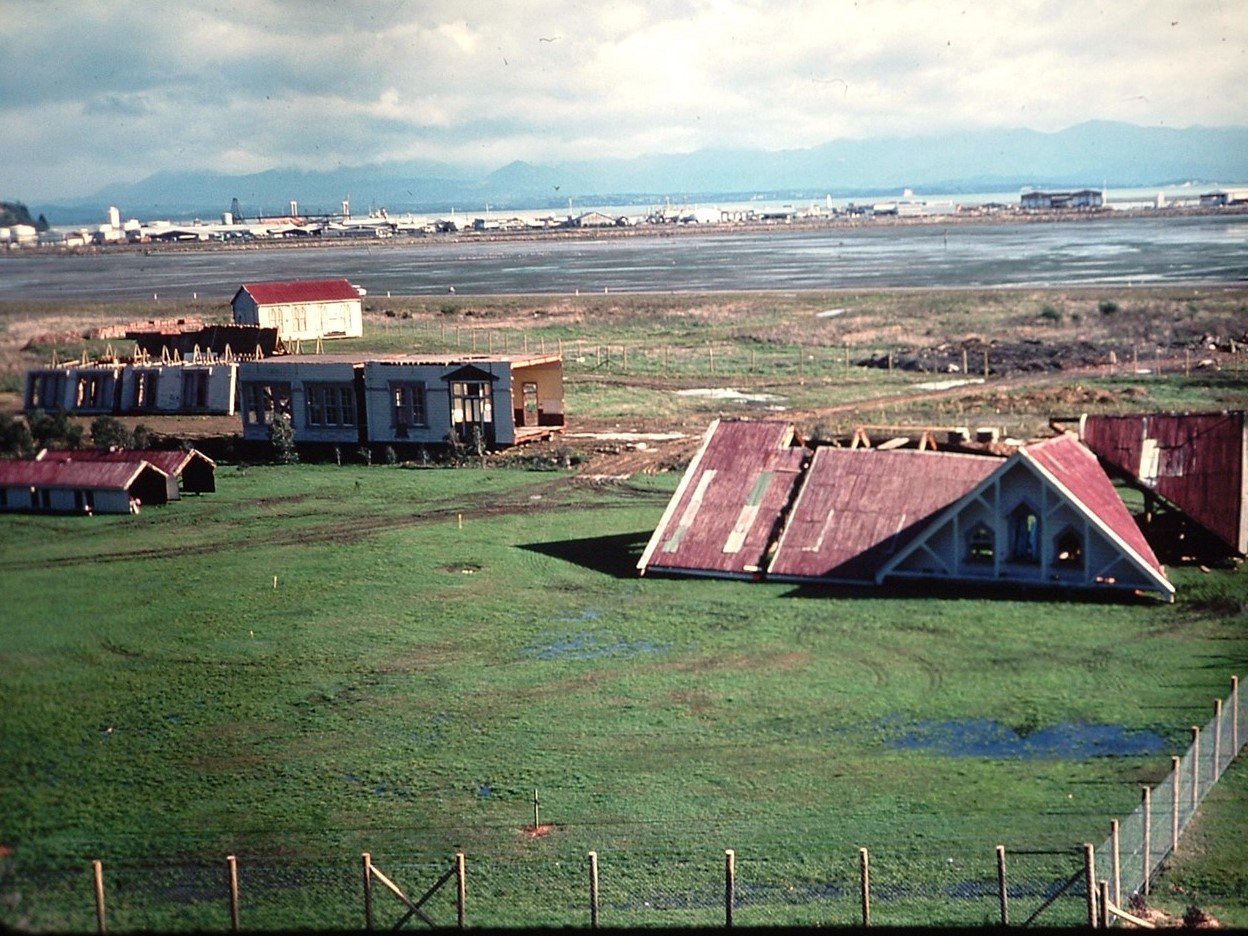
1087,155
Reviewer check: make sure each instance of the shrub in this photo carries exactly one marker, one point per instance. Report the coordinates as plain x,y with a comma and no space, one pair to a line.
1051,314
1107,306
110,432
282,435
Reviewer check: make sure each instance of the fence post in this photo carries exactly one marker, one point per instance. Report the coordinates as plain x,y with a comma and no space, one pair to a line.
864,863
1195,767
97,868
1175,763
1002,890
1148,839
1217,740
461,888
1103,899
1089,877
593,889
368,891
231,863
1234,716
1117,861
730,884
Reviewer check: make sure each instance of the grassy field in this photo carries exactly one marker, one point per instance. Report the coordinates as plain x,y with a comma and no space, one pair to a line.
317,661
321,660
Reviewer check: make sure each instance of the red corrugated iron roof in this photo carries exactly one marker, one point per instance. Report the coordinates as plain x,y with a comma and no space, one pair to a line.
100,476
1073,466
857,507
722,518
171,462
1196,461
334,290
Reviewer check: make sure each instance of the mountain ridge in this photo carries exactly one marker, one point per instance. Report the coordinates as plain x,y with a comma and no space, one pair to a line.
1090,154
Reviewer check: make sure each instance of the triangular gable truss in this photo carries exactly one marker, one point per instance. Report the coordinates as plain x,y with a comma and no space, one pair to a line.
1074,546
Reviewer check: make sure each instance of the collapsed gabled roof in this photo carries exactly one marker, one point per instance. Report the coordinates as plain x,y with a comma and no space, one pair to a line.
1196,461
857,507
723,516
333,290
751,503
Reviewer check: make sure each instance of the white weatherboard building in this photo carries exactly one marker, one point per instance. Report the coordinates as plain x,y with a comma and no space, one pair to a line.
404,399
302,310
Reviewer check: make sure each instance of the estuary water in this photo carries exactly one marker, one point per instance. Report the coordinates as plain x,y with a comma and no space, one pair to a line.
1115,250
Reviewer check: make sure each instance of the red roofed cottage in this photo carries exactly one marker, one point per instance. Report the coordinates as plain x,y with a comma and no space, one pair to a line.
304,309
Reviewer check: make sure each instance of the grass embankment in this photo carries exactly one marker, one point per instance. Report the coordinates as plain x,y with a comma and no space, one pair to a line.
317,661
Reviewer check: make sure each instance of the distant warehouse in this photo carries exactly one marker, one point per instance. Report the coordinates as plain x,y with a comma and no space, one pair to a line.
1059,201
302,310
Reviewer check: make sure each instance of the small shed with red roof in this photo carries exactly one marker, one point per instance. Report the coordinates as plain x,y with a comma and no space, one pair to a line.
303,309
189,470
80,487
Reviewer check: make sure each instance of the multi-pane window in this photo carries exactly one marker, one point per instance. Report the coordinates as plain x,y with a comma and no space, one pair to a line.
471,404
408,406
330,404
194,389
262,402
47,391
90,392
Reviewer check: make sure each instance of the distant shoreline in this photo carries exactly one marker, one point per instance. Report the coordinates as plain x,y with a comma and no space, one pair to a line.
762,228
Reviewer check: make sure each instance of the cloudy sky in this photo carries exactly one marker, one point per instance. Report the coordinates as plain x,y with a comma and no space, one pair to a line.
93,93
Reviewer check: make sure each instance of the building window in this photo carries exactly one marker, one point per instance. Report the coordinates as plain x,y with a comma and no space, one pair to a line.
981,544
471,405
47,391
145,389
90,392
408,407
195,390
1068,549
331,404
1024,534
262,403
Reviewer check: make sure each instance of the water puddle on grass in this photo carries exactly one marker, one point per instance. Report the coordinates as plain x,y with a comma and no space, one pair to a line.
587,646
985,737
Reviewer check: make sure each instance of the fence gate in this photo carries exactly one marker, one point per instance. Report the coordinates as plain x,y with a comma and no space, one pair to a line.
371,872
1055,889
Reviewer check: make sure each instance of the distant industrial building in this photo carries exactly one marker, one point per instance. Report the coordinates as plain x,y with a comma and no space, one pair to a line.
1063,201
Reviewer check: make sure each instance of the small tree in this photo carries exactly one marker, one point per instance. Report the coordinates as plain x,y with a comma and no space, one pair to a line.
54,430
282,435
15,438
110,432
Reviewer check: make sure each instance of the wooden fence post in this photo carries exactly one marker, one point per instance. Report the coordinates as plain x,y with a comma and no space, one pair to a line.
97,868
368,891
1195,767
1148,839
1002,891
1089,877
1103,901
461,888
231,864
1175,763
593,890
730,884
1234,716
1217,739
864,866
1115,838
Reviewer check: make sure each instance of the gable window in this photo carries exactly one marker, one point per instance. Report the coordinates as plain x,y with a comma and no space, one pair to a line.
981,544
331,404
408,406
1068,549
263,402
1024,534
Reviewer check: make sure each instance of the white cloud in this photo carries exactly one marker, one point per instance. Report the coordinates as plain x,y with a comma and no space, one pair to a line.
249,84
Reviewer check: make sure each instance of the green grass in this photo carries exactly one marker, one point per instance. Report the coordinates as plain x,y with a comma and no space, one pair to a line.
439,644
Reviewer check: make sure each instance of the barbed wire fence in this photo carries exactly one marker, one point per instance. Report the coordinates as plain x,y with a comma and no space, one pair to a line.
908,885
